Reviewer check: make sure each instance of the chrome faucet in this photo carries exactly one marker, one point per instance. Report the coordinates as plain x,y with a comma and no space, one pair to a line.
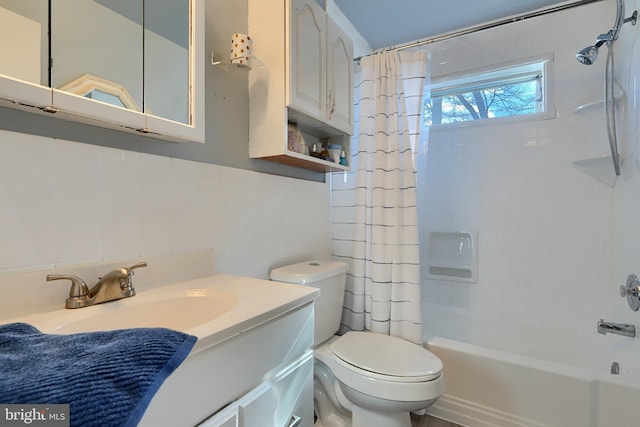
116,284
623,329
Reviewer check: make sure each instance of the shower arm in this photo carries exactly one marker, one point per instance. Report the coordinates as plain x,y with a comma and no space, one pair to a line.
615,31
621,20
612,35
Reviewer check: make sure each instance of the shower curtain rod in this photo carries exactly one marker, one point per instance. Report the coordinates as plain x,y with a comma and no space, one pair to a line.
477,28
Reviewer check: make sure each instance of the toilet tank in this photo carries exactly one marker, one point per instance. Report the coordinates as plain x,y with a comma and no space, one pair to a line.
330,278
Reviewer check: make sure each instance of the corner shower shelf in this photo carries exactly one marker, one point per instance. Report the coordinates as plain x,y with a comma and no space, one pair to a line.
583,108
618,97
598,168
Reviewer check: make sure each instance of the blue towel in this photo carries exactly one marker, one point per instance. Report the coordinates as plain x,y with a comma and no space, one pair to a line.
108,378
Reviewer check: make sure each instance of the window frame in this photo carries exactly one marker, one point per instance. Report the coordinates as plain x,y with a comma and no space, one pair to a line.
501,72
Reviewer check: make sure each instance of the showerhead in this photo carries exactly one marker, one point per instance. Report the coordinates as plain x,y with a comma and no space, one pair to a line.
588,55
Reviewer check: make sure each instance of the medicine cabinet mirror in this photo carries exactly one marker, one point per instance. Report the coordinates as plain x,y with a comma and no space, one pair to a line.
135,65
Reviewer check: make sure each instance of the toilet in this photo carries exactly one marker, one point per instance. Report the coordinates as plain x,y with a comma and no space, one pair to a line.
361,379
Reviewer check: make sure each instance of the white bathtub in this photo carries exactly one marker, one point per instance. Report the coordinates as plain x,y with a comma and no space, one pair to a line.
485,387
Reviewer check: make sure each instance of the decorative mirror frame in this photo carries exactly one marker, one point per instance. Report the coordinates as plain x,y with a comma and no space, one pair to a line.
87,83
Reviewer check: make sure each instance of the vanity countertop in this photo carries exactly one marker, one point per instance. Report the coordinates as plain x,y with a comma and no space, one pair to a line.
214,308
246,328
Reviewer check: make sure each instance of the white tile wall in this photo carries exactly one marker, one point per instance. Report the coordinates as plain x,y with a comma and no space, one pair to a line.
554,244
120,182
64,202
155,203
27,181
79,202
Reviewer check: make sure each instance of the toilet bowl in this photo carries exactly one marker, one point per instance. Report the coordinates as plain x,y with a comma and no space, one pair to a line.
379,387
361,379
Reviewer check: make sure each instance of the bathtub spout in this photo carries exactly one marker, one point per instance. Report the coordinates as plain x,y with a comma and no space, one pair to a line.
623,329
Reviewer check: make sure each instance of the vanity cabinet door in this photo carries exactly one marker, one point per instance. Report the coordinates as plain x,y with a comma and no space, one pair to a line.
308,80
285,400
227,417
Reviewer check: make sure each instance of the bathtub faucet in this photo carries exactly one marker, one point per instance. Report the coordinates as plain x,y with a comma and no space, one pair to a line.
623,329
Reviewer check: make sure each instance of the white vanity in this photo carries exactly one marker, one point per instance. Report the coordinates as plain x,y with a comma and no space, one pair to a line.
256,369
252,364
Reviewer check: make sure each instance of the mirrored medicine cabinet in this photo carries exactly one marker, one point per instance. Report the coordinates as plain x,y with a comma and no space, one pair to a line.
133,65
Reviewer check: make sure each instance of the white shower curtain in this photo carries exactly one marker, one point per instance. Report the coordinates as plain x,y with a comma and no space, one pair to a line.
374,213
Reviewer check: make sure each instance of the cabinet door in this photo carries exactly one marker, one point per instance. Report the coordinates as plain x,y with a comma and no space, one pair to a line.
24,68
91,46
98,57
339,79
307,91
228,417
285,400
84,59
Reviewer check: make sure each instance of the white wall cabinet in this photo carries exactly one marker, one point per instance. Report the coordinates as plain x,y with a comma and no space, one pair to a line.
80,71
304,76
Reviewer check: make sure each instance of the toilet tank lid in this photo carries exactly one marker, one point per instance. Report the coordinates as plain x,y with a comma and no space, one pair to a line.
308,271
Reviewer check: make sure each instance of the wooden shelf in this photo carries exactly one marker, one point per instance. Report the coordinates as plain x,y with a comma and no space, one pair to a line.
292,158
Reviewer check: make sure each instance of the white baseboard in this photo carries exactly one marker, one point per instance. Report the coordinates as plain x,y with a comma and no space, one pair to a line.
470,414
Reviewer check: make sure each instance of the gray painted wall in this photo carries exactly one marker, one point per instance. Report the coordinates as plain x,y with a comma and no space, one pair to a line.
226,105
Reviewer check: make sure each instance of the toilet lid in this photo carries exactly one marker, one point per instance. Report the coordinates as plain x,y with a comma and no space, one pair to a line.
387,356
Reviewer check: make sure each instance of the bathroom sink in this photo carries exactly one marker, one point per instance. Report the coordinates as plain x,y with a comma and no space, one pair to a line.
179,314
171,307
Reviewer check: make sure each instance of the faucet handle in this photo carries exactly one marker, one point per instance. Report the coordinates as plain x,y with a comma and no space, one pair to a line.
138,265
126,283
79,292
632,292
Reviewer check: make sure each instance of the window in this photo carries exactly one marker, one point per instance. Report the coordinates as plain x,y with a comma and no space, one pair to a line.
513,91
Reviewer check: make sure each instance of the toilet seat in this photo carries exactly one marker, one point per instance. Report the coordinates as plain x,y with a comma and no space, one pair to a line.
385,357
378,385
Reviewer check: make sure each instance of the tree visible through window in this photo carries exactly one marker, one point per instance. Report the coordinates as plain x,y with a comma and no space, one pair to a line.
507,92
